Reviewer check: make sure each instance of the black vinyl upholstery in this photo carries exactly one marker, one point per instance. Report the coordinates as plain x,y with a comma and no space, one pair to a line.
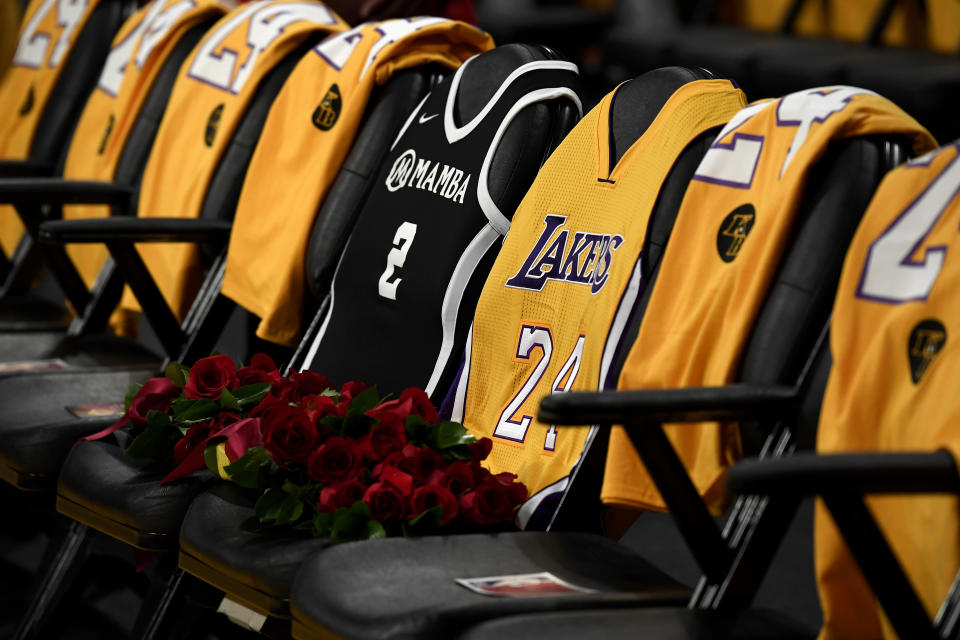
663,624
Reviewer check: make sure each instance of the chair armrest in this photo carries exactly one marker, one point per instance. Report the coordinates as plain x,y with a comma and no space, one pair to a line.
856,473
24,169
654,406
57,191
129,229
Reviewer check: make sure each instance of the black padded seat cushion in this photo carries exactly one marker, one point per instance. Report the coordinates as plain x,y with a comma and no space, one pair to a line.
662,624
31,312
37,430
104,350
350,594
222,546
93,471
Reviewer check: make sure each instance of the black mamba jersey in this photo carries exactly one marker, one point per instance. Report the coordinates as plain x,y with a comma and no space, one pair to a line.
404,292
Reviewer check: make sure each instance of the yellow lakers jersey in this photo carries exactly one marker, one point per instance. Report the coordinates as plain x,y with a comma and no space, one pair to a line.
47,34
139,51
549,315
896,362
726,245
211,94
306,138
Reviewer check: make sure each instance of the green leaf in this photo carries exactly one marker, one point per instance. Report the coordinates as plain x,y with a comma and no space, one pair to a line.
268,503
247,471
156,440
356,425
417,428
428,520
460,452
322,522
177,374
449,434
333,423
331,393
132,392
350,523
365,401
251,393
289,510
375,530
191,411
228,401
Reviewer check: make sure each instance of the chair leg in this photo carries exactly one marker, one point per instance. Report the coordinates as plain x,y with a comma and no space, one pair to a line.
58,579
174,606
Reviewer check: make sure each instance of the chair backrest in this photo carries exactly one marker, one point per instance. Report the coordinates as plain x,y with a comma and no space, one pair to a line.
59,57
299,156
211,124
119,121
567,279
441,203
892,389
577,507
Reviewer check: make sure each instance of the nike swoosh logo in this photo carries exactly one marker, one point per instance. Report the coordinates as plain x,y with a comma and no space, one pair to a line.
425,118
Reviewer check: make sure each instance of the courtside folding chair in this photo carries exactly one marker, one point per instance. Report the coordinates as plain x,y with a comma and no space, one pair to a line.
495,120
59,56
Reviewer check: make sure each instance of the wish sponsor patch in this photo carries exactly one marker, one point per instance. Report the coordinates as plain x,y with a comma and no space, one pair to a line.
19,366
523,585
97,409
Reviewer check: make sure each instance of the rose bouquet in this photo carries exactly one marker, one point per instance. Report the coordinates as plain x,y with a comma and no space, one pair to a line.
344,463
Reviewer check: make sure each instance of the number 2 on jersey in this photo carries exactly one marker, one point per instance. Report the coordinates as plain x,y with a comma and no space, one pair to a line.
890,274
33,44
387,286
533,338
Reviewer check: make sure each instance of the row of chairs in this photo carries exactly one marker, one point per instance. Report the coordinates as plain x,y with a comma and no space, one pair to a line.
639,35
337,589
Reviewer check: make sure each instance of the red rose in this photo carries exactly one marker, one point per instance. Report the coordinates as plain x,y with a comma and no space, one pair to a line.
335,460
383,439
306,383
198,432
421,404
384,501
481,448
319,407
261,369
399,480
456,478
268,404
289,434
392,412
516,490
210,376
156,394
429,496
408,464
351,390
489,503
340,495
